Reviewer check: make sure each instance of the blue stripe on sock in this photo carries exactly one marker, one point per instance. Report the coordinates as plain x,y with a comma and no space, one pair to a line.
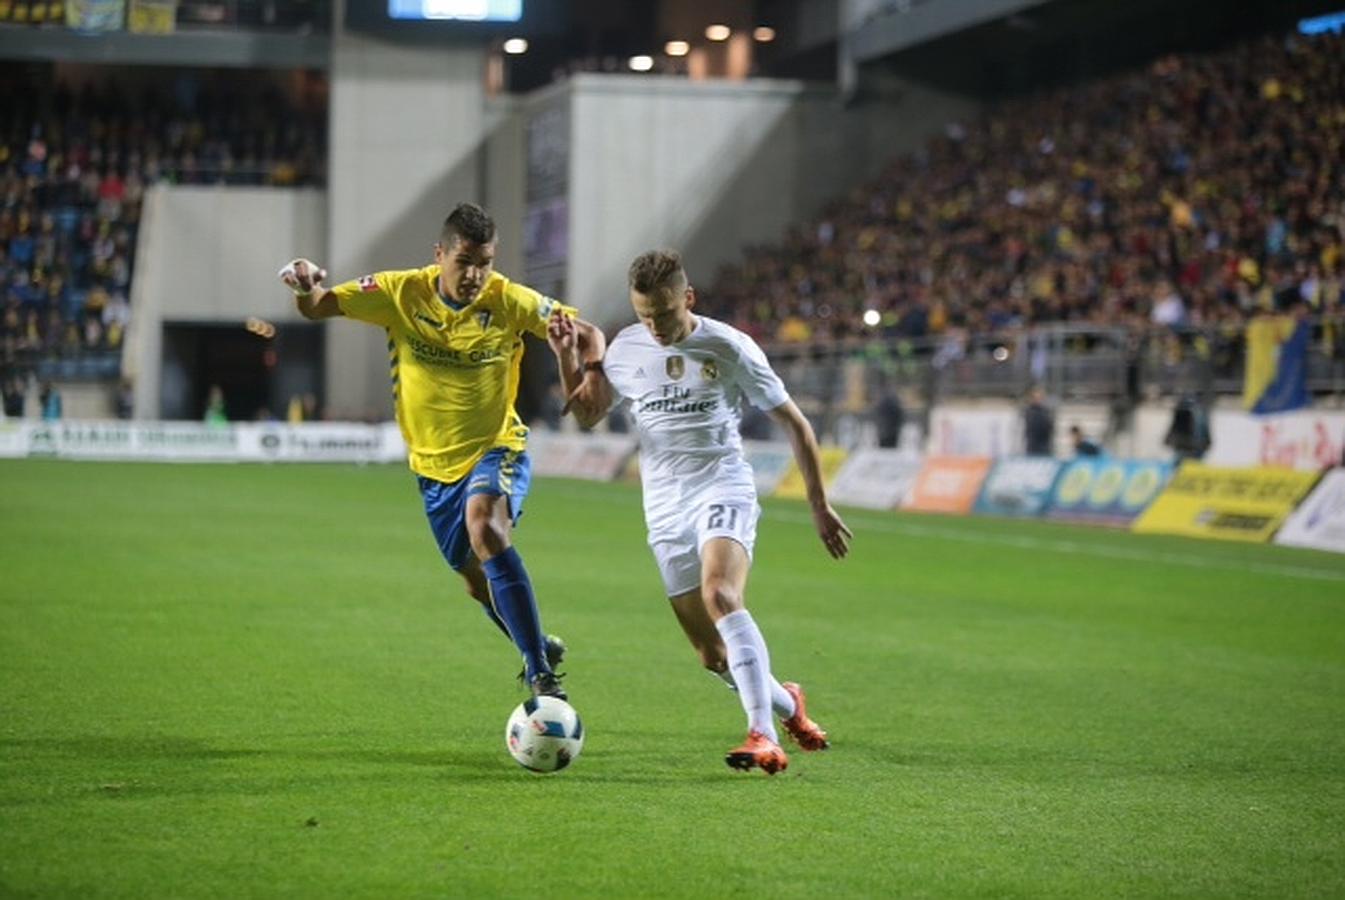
495,617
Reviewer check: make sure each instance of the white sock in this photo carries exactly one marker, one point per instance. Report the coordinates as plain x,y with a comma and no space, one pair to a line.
750,665
781,700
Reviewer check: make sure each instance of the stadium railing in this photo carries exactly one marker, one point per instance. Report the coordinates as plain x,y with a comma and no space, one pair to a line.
1115,365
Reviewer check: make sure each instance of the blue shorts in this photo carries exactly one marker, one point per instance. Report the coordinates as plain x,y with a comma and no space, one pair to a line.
501,472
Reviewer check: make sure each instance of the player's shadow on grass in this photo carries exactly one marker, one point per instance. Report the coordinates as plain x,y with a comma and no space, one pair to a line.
114,759
119,752
112,765
477,764
120,748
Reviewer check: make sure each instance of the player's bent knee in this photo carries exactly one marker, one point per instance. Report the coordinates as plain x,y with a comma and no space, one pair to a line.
488,537
721,598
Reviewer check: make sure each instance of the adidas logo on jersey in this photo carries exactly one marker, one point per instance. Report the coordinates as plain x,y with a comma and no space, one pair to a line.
639,371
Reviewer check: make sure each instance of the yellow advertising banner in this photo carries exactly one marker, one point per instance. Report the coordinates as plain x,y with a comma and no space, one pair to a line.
152,16
1229,504
792,484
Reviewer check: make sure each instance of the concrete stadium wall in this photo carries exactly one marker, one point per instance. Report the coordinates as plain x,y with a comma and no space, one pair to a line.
406,128
210,254
711,166
79,399
994,427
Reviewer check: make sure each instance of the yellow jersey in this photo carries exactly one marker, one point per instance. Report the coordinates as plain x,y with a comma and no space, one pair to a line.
455,371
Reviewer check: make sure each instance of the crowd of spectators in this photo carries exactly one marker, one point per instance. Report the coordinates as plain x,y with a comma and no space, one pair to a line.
74,166
250,14
1194,192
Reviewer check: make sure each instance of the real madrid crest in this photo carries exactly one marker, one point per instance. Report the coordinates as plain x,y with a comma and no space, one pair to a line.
677,367
709,371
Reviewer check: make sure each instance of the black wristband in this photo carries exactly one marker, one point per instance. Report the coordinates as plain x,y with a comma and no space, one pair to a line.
593,366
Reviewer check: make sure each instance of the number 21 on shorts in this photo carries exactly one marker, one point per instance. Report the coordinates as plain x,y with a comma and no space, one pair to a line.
721,517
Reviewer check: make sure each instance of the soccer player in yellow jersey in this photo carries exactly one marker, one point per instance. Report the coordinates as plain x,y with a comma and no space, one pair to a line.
455,338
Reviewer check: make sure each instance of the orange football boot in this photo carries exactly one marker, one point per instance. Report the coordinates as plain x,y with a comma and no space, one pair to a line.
805,732
758,752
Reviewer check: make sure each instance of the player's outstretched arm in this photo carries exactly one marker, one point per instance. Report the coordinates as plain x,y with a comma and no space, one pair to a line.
830,528
313,300
579,348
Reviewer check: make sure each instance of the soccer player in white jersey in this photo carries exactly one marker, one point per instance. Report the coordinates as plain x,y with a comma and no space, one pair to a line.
685,377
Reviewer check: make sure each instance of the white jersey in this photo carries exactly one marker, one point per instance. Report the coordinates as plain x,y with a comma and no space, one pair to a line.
685,399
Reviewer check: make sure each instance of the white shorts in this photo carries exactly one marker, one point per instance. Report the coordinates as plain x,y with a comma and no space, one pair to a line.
717,511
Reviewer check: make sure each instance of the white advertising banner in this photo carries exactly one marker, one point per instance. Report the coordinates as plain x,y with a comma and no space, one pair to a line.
1319,521
13,439
975,432
162,441
198,442
1306,440
596,457
321,442
875,479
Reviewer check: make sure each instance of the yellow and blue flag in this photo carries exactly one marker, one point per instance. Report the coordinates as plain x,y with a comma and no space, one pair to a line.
1276,378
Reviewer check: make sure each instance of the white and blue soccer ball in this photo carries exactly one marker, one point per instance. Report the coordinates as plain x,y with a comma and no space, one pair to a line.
544,734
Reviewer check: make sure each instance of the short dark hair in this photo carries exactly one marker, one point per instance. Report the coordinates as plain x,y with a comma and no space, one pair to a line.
468,222
657,270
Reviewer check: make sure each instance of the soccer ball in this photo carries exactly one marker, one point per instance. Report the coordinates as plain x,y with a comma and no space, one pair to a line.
544,734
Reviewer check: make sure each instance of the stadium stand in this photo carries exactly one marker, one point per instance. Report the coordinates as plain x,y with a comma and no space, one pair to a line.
75,161
1193,192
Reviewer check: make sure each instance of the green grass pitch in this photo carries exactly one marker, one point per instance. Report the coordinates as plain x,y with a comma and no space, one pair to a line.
251,681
